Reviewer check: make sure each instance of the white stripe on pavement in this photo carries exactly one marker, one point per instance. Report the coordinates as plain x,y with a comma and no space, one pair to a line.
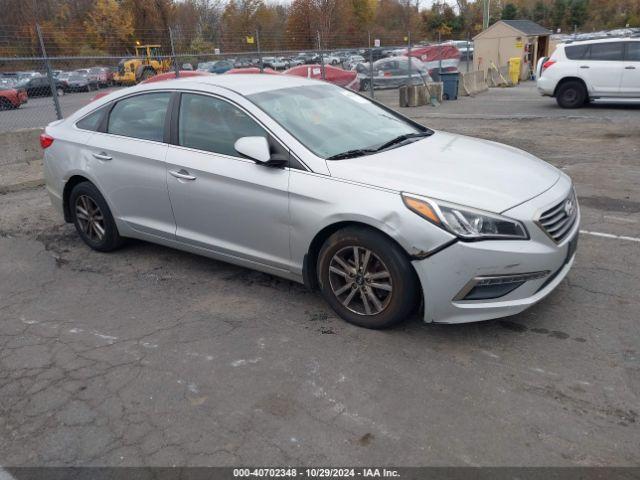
611,235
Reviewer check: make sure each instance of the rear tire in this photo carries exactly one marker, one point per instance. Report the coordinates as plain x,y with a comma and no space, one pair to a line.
571,94
92,218
378,290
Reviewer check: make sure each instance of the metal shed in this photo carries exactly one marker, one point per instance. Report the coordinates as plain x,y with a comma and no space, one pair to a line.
506,39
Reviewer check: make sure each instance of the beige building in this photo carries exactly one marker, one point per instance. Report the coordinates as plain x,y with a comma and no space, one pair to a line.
506,39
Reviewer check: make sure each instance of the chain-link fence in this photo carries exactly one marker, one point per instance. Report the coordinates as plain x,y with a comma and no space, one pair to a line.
46,74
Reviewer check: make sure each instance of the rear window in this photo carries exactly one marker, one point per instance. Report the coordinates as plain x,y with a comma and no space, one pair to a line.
576,52
141,116
610,51
92,121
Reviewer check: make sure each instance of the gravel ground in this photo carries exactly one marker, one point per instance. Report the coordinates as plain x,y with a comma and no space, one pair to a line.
150,356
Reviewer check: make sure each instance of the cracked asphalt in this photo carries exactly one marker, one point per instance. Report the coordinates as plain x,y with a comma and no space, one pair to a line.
150,356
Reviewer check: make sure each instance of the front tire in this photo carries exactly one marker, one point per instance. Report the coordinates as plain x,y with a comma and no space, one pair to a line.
366,278
571,94
92,218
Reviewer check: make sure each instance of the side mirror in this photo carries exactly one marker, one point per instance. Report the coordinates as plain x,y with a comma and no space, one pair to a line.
257,149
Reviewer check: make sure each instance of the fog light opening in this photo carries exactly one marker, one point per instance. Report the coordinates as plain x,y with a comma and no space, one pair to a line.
496,286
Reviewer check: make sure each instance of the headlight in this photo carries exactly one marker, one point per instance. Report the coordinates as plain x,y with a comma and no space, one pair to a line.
465,222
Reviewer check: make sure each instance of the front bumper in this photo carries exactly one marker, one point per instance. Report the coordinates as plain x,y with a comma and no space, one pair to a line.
446,274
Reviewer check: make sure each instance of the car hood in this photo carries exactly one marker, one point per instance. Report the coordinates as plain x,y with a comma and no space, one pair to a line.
455,168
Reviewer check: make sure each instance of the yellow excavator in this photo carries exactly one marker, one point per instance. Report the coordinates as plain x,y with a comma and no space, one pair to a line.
146,63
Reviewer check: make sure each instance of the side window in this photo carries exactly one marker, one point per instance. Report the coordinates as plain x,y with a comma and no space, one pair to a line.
633,51
92,121
141,116
210,124
606,51
576,52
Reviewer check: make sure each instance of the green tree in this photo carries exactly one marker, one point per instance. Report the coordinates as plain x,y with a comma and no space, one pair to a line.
540,13
578,13
509,12
558,13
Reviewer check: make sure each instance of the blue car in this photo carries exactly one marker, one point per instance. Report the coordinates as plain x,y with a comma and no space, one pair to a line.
218,67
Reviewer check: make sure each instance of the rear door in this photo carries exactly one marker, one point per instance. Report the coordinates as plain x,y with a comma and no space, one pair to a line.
223,202
630,85
128,160
602,69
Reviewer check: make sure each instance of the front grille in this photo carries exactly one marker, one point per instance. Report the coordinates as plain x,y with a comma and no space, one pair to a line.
559,219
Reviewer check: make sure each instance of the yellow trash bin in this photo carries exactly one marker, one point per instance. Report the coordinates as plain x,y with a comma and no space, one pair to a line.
514,70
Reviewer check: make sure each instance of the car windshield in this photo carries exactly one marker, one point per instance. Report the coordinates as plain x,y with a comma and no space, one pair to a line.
333,122
76,77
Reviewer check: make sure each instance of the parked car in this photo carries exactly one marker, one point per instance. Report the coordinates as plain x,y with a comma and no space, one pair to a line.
243,63
204,66
254,70
442,57
187,66
605,70
79,82
332,59
295,61
92,77
40,86
465,47
393,72
308,57
11,98
377,53
352,61
311,182
101,76
275,63
161,77
336,75
218,67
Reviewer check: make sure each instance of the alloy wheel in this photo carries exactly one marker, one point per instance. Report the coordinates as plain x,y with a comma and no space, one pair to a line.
90,218
360,280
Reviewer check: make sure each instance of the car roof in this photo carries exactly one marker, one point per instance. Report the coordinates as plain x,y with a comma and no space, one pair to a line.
601,40
247,84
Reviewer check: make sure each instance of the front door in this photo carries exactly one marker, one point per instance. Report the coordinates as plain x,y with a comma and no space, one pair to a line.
222,202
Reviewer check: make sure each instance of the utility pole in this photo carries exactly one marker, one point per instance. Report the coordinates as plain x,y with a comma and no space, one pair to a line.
485,14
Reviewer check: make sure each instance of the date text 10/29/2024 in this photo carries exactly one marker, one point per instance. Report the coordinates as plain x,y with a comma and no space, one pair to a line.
315,472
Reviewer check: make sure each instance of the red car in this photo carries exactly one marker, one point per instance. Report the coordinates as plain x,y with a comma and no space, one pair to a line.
337,76
268,71
444,56
159,78
11,98
172,74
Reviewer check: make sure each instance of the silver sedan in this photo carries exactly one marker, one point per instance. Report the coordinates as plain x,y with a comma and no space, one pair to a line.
319,185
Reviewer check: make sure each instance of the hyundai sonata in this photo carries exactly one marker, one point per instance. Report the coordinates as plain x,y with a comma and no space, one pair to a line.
317,184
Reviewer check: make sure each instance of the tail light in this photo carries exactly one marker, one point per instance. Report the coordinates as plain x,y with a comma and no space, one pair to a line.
45,140
547,64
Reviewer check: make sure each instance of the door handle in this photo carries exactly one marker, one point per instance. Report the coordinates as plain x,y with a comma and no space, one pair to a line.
102,156
630,67
584,66
182,174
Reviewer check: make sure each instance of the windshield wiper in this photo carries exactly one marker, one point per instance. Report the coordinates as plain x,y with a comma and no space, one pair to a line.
401,139
358,152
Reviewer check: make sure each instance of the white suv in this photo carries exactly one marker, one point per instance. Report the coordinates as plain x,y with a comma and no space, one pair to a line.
592,70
